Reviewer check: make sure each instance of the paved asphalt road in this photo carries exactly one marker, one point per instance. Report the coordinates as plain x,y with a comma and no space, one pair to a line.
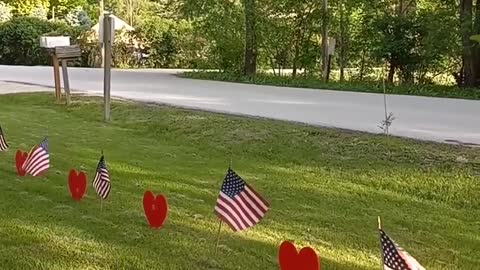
416,117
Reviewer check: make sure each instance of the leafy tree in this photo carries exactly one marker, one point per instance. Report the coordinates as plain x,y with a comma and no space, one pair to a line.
78,17
27,7
421,40
39,12
399,45
62,8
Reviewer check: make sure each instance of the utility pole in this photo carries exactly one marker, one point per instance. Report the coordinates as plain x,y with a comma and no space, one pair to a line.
325,41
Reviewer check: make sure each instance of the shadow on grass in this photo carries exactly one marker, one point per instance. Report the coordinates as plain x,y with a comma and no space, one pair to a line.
67,245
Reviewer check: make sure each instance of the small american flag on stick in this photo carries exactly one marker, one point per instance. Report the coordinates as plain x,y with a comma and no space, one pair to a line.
3,142
101,182
238,204
395,257
38,160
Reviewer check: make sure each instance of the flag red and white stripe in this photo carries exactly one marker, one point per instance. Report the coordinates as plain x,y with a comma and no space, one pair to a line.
101,182
238,204
3,142
38,160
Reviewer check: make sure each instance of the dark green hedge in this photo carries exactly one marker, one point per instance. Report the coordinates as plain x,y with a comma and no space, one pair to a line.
20,40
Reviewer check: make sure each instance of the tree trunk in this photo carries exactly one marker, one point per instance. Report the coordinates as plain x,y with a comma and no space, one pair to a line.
362,65
476,48
466,31
342,42
250,67
325,40
295,60
391,73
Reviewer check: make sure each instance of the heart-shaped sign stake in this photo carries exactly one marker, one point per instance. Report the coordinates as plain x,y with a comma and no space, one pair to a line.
77,182
156,209
289,259
20,159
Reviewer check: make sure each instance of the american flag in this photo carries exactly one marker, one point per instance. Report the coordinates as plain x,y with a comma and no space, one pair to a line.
38,160
101,182
238,204
394,257
3,143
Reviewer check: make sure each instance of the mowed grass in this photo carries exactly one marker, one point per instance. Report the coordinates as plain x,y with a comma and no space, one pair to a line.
326,188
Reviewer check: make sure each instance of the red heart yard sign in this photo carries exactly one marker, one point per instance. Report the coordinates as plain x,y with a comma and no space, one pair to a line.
289,259
156,209
77,182
20,159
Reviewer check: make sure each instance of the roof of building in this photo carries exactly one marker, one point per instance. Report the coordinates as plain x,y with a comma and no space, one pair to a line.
118,23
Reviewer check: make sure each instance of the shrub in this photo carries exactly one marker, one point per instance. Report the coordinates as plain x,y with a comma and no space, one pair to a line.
127,49
161,42
20,40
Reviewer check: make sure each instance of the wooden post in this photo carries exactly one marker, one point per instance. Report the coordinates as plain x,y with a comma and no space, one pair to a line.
101,6
218,236
107,44
56,77
66,82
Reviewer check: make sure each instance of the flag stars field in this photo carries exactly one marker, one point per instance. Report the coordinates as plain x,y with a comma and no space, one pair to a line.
321,188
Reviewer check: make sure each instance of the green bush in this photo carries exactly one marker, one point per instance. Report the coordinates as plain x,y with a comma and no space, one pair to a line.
160,39
20,40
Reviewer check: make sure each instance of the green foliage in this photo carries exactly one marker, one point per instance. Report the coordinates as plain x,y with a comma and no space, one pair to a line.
225,47
20,38
160,41
39,12
475,38
63,7
27,7
171,43
78,18
127,50
439,47
421,42
315,82
399,43
5,12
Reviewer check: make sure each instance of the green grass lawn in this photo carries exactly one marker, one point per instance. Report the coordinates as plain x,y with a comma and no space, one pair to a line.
314,82
326,188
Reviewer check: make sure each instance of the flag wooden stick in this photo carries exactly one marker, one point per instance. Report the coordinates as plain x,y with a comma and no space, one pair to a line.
218,236
382,262
101,205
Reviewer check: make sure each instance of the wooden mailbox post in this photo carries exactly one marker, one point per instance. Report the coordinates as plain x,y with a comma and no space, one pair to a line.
61,51
61,55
